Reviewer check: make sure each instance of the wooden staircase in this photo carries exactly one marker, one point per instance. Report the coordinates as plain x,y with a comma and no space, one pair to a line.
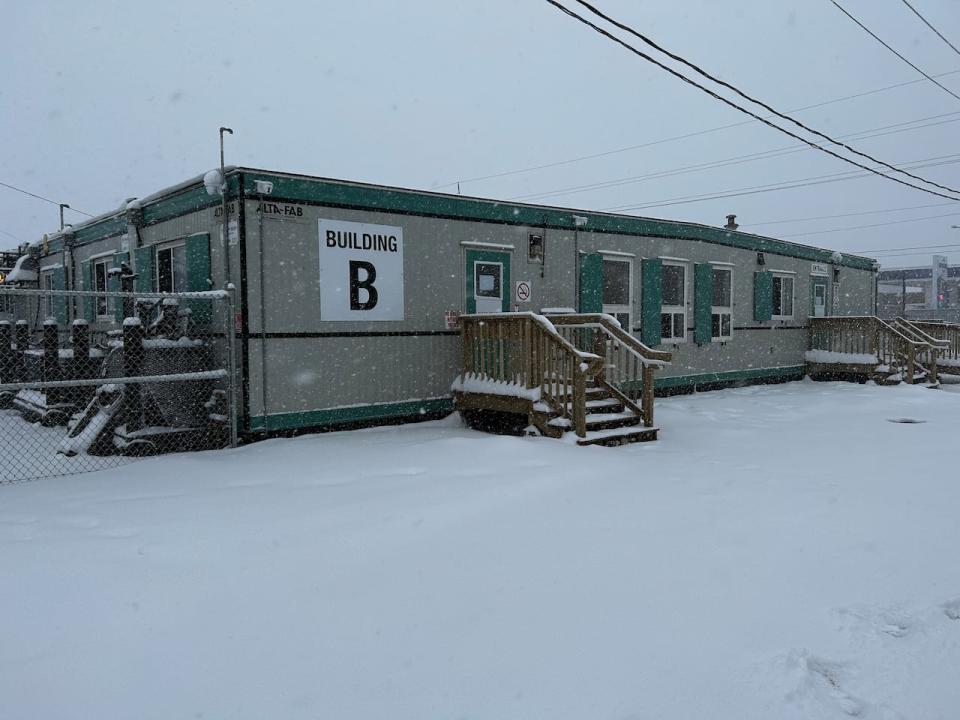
867,347
578,375
608,420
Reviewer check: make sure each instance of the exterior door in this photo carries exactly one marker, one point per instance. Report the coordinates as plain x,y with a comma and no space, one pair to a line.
487,281
818,294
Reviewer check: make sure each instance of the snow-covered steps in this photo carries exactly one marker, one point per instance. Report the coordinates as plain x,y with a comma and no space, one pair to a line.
619,436
600,405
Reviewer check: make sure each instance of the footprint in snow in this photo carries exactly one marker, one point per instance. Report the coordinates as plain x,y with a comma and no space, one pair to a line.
952,609
824,682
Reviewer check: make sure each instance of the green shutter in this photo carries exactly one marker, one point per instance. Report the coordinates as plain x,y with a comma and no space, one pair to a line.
113,284
86,283
143,259
650,279
702,302
59,304
199,276
762,295
591,283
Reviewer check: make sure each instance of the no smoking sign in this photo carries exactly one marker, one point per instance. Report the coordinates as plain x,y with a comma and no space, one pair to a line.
522,291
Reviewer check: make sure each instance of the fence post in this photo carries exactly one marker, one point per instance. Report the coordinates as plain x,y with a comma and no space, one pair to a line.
132,367
579,402
647,401
80,340
231,330
6,351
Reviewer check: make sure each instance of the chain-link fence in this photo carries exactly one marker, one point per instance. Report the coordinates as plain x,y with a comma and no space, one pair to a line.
91,380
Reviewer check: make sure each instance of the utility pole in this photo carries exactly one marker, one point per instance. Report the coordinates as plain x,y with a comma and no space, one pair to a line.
62,206
223,198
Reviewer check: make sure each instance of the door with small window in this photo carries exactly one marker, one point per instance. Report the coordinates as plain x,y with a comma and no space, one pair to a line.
673,302
818,297
487,281
618,290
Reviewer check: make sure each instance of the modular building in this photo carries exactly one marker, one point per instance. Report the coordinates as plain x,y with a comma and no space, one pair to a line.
349,295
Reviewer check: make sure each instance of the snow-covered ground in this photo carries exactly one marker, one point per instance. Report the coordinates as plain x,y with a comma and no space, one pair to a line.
782,552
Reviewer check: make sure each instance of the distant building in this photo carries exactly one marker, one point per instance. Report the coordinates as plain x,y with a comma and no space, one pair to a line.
921,292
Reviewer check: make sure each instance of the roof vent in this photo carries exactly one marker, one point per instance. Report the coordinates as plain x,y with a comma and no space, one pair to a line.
731,223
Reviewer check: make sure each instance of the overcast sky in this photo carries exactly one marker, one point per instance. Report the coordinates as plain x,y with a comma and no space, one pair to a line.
100,101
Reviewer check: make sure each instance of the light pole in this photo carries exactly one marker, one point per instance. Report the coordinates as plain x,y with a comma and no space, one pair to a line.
62,206
223,198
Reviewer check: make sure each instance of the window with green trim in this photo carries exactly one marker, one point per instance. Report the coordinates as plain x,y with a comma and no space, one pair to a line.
673,302
782,296
721,304
172,268
101,273
46,302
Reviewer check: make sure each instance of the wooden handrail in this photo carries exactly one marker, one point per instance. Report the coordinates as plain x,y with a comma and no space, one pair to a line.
911,328
635,369
611,327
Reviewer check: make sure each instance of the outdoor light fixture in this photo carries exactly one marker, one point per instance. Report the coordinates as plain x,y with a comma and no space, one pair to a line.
761,260
836,275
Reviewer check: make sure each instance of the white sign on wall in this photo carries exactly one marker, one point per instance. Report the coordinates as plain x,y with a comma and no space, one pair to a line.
521,291
819,269
361,271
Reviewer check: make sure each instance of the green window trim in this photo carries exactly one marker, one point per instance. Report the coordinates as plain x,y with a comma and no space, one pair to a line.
591,283
145,267
58,279
702,303
762,295
199,276
651,271
87,283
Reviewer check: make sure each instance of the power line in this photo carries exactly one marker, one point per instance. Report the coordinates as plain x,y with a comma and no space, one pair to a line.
606,153
740,108
736,160
875,37
11,235
927,23
771,187
842,215
909,247
41,197
874,225
913,254
745,96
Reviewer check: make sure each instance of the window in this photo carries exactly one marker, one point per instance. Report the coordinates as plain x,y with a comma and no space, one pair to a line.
172,269
535,248
673,302
46,302
721,305
782,296
487,280
6,303
101,270
617,295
